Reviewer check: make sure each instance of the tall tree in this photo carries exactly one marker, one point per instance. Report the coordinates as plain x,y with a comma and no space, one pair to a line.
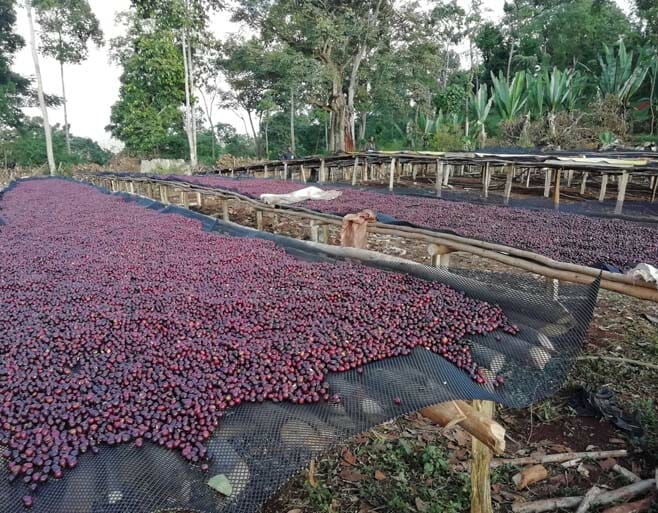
188,21
67,26
14,89
146,118
338,34
42,98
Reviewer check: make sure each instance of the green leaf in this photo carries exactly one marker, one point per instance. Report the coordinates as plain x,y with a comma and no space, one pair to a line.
221,484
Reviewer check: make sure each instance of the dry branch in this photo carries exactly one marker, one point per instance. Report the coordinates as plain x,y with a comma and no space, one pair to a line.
559,458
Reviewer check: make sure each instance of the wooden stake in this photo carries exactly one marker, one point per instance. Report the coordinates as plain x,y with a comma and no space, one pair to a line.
621,191
321,177
225,212
583,184
547,183
285,170
199,200
556,192
391,181
480,469
439,177
569,177
527,180
604,184
487,170
508,184
259,220
446,175
303,173
184,200
356,163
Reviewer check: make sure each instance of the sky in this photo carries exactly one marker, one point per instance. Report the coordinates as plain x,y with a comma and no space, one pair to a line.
93,86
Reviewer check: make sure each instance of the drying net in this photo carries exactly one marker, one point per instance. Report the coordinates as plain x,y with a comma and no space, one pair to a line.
258,447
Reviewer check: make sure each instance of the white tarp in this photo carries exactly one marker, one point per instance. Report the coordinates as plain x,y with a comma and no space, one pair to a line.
308,193
646,272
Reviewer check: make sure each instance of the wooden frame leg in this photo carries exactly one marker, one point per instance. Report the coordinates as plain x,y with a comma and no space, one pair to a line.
480,468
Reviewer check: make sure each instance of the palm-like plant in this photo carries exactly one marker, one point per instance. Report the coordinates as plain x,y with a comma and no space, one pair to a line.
510,97
481,107
621,73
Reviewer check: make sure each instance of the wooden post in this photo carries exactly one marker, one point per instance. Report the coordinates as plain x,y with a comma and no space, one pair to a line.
321,177
184,200
446,174
440,255
354,168
556,192
604,184
199,200
552,288
285,170
653,193
485,179
259,220
315,231
508,184
480,468
391,181
163,194
365,171
225,212
439,177
569,177
651,182
303,173
583,184
547,182
131,187
621,191
527,180
265,171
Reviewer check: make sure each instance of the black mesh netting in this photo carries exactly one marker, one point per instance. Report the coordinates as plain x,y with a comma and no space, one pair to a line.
260,446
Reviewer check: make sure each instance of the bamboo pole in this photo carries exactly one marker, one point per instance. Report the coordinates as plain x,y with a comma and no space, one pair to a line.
556,192
547,183
508,184
354,168
583,184
604,184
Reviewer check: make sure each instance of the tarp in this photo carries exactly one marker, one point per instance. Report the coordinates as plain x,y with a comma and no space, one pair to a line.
308,193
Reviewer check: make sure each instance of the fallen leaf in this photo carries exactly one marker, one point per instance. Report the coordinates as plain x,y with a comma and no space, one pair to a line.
221,484
421,505
529,476
347,474
379,475
311,475
348,457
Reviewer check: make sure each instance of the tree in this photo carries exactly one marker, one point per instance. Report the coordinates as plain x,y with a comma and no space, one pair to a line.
339,35
15,90
187,20
67,26
146,118
42,98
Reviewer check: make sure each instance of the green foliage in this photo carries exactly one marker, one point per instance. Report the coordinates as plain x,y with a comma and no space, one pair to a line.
146,118
510,98
27,148
450,100
14,89
66,28
622,74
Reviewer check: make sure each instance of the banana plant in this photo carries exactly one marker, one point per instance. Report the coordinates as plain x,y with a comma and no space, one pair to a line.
621,73
510,97
481,107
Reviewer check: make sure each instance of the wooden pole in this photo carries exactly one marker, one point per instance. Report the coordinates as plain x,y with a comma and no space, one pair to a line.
285,170
225,212
199,200
391,181
604,184
527,180
487,170
354,168
653,194
621,191
583,184
480,469
547,183
303,171
569,177
265,171
321,177
446,174
556,192
439,177
508,184
259,220
184,200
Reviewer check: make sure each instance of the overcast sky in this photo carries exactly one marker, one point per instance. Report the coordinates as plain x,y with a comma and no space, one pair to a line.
92,87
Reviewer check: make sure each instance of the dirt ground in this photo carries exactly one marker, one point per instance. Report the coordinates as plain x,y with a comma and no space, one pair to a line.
410,465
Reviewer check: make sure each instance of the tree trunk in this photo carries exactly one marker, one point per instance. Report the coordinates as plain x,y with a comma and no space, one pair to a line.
326,133
509,61
292,121
267,136
253,131
363,126
66,114
190,65
652,93
188,125
350,122
42,98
